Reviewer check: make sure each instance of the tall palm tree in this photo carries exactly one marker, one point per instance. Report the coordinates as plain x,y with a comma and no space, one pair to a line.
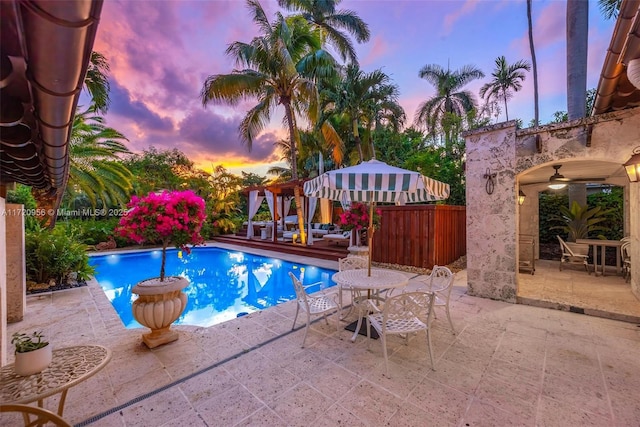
322,15
577,43
534,65
96,82
449,98
280,68
506,78
95,168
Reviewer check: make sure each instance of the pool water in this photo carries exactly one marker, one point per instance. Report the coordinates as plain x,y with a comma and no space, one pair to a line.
222,284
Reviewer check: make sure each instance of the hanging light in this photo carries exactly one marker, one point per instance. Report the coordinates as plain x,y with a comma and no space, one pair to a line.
521,197
557,186
633,72
557,181
633,165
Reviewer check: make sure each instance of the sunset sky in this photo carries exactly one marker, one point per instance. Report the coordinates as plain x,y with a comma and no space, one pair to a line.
161,52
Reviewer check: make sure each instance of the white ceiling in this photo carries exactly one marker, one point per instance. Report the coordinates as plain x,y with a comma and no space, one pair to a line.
612,172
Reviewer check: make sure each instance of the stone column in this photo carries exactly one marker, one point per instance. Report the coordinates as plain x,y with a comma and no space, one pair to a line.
491,218
16,280
4,340
634,233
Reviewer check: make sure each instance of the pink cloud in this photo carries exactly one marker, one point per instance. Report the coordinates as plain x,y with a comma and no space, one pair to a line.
450,19
378,50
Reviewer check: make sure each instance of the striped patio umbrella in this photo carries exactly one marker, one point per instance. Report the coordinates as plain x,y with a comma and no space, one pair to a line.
373,182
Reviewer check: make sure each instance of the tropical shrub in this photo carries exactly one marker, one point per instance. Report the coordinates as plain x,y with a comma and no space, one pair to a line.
357,217
579,221
55,254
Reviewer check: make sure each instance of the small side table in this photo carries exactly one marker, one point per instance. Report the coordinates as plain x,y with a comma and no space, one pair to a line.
70,366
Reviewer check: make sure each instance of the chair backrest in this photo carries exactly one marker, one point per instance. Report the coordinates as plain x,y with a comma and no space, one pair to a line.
42,416
353,263
301,293
564,247
408,305
625,250
441,280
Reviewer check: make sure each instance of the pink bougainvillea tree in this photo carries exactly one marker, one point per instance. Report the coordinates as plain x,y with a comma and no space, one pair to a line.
168,218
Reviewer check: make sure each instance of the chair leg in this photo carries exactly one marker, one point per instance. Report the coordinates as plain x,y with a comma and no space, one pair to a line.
383,338
358,326
449,317
296,316
306,329
433,366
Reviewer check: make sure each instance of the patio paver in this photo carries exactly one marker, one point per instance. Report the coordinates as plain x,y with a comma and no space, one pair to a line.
508,365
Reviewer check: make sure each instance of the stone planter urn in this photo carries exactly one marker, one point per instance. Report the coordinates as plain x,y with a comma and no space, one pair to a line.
159,304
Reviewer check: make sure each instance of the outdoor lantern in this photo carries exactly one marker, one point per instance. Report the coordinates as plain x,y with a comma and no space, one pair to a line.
633,72
633,165
521,197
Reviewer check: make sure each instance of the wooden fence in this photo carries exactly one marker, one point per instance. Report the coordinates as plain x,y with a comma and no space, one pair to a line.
420,235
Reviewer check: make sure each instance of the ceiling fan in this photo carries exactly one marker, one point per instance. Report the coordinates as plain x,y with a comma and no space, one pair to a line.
557,180
557,177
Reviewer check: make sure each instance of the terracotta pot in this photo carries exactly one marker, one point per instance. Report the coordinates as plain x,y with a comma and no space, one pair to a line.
578,248
33,362
159,304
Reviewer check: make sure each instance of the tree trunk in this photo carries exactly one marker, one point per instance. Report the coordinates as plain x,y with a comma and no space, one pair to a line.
506,110
165,243
294,170
534,66
356,136
577,33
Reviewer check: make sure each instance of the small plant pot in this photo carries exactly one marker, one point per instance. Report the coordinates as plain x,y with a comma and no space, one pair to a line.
33,362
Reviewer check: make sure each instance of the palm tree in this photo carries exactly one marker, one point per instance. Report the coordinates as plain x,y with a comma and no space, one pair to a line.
609,8
449,97
384,111
360,96
97,83
322,15
506,78
280,67
534,64
95,168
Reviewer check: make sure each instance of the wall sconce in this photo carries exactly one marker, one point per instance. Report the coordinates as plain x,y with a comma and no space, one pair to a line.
633,165
490,177
521,197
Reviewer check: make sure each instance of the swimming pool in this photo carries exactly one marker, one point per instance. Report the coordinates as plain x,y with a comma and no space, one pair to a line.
222,284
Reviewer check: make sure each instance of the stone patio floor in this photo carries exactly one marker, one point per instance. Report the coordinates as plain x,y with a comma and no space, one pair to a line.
509,364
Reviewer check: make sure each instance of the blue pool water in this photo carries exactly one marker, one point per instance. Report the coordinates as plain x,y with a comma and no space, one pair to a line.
223,284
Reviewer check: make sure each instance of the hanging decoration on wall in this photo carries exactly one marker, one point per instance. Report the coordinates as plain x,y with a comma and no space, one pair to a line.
490,177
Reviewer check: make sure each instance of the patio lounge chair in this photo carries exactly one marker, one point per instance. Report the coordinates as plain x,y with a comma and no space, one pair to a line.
312,305
571,257
345,237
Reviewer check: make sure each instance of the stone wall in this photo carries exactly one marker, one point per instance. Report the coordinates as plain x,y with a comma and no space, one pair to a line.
491,228
16,280
495,220
4,340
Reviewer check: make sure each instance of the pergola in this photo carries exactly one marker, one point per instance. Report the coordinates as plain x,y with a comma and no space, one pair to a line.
280,192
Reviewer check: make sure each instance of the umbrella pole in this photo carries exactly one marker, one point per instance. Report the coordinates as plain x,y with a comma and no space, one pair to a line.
370,235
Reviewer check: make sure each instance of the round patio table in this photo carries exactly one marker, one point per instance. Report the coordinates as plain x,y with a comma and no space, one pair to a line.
69,366
379,279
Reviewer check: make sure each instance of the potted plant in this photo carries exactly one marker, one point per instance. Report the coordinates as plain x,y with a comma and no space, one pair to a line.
33,353
578,221
357,218
167,218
